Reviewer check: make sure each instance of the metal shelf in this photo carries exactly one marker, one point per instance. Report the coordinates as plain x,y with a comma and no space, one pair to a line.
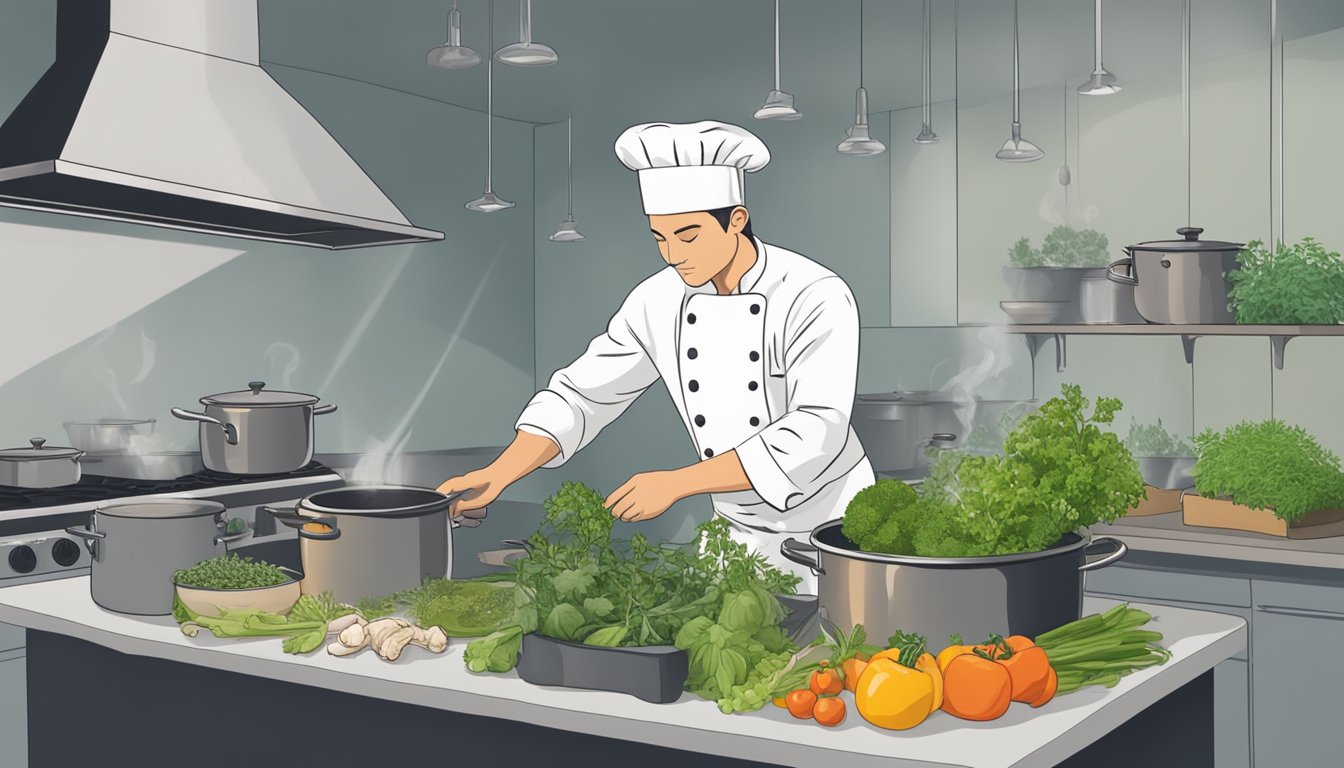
1278,335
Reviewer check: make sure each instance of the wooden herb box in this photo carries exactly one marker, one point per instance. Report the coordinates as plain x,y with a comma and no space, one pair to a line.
1224,513
1160,501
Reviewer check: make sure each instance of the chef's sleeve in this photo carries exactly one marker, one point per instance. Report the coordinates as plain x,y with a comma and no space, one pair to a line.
786,461
592,391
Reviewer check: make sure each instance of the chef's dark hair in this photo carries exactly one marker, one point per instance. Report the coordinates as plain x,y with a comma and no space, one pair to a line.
723,215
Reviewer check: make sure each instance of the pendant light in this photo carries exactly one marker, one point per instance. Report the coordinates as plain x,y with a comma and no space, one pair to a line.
778,104
859,143
1017,149
1101,83
526,53
489,202
568,231
453,54
926,134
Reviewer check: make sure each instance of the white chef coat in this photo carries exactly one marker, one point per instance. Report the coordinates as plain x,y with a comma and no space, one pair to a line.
768,371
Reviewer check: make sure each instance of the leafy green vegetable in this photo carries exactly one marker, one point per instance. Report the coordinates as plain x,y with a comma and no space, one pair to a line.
1269,464
1300,284
461,607
987,436
496,652
882,517
321,607
608,637
300,636
1060,471
1155,440
1063,247
231,572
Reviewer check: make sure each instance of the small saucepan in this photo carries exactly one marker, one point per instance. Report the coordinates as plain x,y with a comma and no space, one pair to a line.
39,466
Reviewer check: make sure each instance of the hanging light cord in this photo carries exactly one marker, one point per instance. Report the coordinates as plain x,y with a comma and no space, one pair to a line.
927,63
1185,102
1096,21
860,43
776,45
1017,84
490,105
569,152
525,21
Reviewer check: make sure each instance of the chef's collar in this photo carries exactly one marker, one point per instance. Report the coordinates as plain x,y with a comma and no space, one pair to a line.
753,276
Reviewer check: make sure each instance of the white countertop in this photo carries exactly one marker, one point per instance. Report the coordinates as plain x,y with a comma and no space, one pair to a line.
1024,737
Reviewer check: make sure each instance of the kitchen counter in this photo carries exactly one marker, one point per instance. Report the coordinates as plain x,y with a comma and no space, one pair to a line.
65,626
1167,534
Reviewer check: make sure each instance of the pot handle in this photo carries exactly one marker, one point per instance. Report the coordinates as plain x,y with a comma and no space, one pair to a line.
230,431
296,521
90,538
324,409
797,551
229,538
1121,549
1124,278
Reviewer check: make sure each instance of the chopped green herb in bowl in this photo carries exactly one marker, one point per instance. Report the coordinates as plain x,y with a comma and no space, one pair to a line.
231,582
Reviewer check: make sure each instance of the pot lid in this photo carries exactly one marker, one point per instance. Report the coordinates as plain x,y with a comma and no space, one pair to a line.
159,509
1191,242
257,396
39,451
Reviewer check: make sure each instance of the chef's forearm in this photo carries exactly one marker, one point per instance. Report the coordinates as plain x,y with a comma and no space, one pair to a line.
721,474
525,454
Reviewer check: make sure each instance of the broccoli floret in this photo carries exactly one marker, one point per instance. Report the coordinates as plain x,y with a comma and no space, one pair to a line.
938,534
876,519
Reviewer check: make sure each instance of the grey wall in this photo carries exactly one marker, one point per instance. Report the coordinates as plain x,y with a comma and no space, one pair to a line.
426,346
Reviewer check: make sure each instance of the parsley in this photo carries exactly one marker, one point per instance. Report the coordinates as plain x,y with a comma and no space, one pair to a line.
1302,284
1063,247
1153,440
1269,464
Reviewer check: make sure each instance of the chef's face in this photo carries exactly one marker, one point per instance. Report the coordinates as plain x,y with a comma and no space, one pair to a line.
696,244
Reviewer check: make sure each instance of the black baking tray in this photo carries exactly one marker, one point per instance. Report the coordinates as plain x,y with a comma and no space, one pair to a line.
655,673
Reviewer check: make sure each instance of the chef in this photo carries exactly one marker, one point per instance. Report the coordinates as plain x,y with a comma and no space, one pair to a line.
758,346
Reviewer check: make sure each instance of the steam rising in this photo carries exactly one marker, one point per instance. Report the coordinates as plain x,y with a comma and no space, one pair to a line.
284,361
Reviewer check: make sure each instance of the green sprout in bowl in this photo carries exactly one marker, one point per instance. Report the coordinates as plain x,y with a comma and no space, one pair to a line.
231,572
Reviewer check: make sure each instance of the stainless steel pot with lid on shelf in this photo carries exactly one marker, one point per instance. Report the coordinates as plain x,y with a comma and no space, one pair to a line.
1180,282
39,466
1021,594
256,431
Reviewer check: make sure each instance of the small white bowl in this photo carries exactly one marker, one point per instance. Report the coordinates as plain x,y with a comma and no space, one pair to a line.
1033,312
278,598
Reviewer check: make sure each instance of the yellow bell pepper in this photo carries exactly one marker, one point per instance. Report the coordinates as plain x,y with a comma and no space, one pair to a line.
894,696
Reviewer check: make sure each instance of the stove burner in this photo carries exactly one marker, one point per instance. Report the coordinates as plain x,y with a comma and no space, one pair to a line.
100,488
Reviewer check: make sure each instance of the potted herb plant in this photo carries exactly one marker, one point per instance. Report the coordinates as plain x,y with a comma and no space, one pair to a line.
1301,284
1269,477
1165,461
1055,271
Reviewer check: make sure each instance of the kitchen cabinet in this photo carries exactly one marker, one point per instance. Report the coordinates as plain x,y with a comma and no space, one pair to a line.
14,705
1232,716
1295,714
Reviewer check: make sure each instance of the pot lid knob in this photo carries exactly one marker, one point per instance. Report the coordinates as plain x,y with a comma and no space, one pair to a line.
38,442
1190,233
256,386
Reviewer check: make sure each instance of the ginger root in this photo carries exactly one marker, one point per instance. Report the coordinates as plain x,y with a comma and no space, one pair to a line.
388,638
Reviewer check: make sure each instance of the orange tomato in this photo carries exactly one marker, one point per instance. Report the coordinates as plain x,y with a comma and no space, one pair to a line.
1048,692
976,688
1019,642
826,682
800,703
1028,670
829,711
951,652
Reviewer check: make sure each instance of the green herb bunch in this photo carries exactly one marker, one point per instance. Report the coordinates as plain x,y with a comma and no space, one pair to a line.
713,597
1302,284
1269,464
1063,247
1155,441
231,572
1060,471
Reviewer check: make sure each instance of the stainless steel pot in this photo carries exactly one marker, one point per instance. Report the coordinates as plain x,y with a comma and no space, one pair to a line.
1174,473
1023,594
39,466
370,541
897,429
1104,301
1050,284
256,431
106,435
137,546
1180,282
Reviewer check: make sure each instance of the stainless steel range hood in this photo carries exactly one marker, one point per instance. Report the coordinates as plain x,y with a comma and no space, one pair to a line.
157,112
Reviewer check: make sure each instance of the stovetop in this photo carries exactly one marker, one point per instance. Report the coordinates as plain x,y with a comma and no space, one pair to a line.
95,488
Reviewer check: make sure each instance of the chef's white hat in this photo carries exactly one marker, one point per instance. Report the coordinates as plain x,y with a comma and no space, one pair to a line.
685,167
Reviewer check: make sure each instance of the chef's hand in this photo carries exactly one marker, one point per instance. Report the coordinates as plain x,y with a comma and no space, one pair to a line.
478,489
645,496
